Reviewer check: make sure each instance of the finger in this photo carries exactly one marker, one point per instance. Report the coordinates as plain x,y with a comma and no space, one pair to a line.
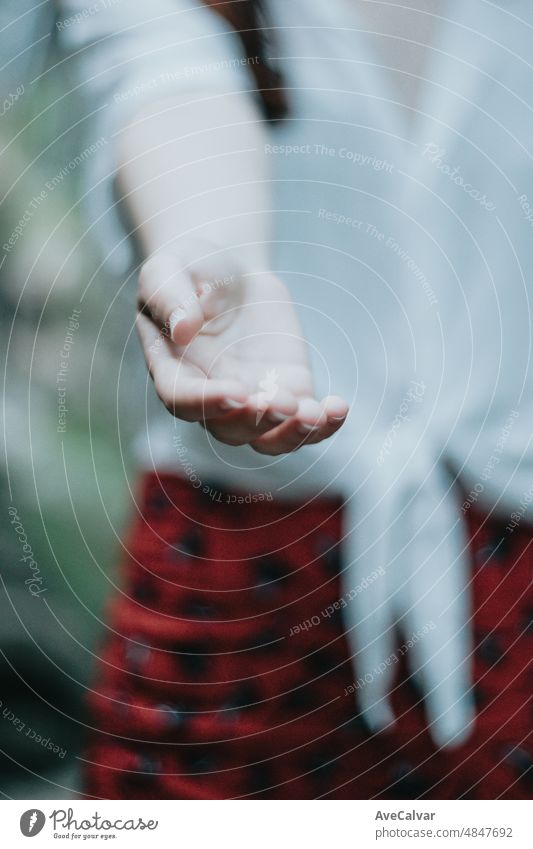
195,399
335,408
291,434
312,423
334,412
153,342
169,296
217,277
246,425
185,391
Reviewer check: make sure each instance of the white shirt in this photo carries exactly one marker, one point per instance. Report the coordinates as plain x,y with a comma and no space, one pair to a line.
403,229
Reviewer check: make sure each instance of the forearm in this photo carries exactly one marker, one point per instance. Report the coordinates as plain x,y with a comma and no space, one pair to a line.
192,168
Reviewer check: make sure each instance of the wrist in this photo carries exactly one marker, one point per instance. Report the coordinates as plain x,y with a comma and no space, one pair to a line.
215,257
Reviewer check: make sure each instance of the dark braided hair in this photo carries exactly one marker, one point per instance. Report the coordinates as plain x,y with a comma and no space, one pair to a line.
248,20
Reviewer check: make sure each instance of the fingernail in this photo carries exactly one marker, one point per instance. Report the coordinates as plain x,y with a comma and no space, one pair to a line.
336,418
277,417
230,404
175,318
307,428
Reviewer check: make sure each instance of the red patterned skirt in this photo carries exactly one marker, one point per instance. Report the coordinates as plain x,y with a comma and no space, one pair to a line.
207,689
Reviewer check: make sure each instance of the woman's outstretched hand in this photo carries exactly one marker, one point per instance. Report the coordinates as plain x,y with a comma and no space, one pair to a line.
225,349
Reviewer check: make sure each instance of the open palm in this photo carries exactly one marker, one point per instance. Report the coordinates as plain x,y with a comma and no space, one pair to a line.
228,351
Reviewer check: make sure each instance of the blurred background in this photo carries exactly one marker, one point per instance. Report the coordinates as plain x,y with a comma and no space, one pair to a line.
73,400
67,343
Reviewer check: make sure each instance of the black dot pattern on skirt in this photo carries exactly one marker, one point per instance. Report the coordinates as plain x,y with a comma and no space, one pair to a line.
207,690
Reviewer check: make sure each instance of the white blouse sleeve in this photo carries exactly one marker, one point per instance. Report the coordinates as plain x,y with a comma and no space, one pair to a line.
125,52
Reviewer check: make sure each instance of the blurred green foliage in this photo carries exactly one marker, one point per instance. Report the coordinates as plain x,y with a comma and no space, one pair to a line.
71,488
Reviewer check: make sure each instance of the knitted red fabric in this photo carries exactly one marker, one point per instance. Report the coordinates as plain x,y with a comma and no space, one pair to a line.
207,689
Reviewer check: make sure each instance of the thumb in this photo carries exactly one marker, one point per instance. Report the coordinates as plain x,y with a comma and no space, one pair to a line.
218,280
169,296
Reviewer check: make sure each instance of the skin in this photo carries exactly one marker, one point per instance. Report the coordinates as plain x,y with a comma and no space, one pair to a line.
214,320
216,348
